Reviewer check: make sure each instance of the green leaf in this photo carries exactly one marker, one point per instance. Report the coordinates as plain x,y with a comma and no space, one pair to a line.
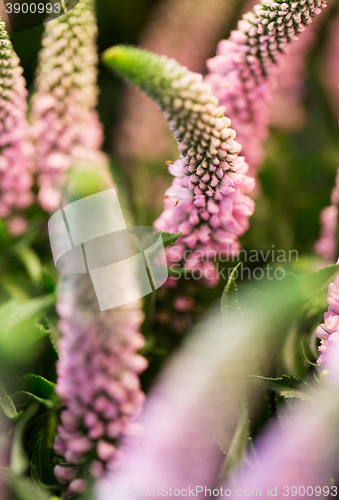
13,288
177,271
7,404
52,332
38,385
31,261
287,386
18,326
19,461
39,389
25,489
13,313
41,464
225,293
169,238
237,449
275,295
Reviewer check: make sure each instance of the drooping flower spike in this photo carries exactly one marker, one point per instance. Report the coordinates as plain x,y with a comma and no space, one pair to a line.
207,201
15,149
142,135
241,75
65,125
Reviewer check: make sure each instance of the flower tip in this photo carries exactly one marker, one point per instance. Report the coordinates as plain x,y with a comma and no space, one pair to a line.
109,54
114,53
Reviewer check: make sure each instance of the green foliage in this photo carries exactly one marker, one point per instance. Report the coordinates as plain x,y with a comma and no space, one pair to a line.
236,452
225,297
169,238
41,465
19,461
25,489
287,386
31,261
7,404
18,325
274,296
38,389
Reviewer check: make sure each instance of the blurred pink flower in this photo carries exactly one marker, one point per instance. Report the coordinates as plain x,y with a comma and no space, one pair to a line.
97,379
193,410
293,458
326,245
242,73
15,150
328,331
65,125
17,225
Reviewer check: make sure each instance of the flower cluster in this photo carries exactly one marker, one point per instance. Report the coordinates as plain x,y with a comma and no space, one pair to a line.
207,201
15,149
97,375
97,380
65,126
240,75
328,332
326,246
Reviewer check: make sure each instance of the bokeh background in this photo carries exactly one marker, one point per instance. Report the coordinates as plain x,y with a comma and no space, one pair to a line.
294,183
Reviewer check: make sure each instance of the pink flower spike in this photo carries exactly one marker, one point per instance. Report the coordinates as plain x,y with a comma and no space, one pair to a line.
210,177
16,165
65,126
244,70
326,245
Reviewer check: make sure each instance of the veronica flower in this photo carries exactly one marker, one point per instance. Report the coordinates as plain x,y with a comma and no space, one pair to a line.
98,369
207,200
64,124
242,72
98,378
15,149
326,245
98,383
